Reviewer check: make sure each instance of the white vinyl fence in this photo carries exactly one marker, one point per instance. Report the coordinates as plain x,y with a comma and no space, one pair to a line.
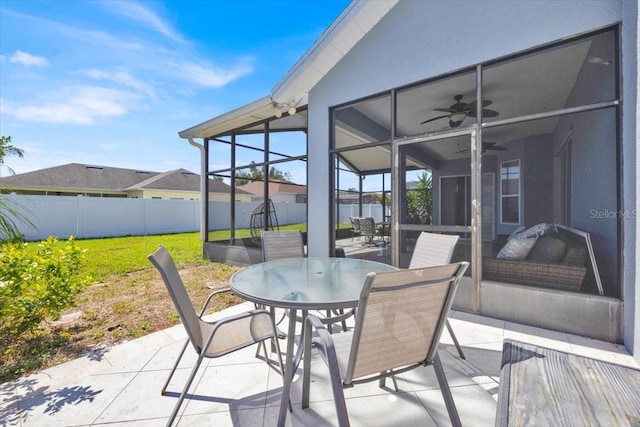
286,213
368,210
89,217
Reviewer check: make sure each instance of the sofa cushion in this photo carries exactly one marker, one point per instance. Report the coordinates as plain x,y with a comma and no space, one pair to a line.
517,249
548,249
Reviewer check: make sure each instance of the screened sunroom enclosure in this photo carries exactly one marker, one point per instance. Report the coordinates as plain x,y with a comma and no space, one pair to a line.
265,161
522,159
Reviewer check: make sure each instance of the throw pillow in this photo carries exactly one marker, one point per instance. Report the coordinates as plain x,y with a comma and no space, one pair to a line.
548,249
516,232
517,249
537,230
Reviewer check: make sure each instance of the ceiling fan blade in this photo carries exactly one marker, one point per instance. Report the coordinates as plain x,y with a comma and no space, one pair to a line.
485,113
485,103
435,118
466,150
490,113
446,110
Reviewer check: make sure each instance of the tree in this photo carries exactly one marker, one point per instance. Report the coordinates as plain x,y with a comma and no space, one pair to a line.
6,149
420,201
11,212
255,174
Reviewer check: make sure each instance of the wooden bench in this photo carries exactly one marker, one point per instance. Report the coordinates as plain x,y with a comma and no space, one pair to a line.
543,387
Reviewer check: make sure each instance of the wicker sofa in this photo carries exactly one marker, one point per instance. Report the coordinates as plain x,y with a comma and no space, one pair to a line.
557,259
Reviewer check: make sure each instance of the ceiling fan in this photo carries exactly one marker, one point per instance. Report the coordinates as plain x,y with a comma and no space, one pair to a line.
459,111
491,146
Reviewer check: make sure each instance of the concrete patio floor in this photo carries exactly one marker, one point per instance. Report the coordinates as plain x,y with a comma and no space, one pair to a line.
120,386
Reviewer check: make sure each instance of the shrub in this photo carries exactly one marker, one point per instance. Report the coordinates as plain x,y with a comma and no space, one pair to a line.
37,284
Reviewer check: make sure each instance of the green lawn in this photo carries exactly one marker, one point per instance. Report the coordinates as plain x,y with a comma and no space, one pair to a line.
121,255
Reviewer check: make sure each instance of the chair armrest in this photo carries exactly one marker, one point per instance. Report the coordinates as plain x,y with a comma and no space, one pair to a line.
337,316
230,319
208,300
324,343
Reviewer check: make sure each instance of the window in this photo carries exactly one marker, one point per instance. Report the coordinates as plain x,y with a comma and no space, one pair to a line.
510,192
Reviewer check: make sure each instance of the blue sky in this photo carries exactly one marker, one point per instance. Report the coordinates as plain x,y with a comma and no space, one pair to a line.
113,82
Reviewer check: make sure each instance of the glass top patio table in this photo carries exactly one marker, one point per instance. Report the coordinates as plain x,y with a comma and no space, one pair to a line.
305,283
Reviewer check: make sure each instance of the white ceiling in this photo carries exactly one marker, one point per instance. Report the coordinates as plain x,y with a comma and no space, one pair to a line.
532,84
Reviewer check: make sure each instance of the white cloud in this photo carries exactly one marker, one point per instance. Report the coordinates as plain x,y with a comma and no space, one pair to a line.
28,60
138,12
210,76
80,105
120,77
61,31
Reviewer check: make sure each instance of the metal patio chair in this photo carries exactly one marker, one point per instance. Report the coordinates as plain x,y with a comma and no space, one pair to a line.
368,230
355,227
281,245
209,339
399,321
289,244
436,249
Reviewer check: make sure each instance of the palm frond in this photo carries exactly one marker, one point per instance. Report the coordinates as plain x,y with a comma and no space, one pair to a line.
12,215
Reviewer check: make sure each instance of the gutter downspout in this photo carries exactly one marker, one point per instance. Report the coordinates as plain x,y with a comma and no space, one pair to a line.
203,188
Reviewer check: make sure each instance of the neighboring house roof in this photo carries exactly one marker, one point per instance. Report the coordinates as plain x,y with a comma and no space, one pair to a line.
257,188
293,89
82,177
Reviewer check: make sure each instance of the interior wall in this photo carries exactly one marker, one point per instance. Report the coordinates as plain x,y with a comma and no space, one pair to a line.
537,171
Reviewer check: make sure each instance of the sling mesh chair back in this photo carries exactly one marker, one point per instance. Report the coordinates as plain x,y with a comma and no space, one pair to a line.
289,244
436,249
209,339
282,245
400,317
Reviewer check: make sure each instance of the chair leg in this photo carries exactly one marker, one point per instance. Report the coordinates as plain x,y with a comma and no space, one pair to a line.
455,340
306,367
344,322
288,370
330,325
184,391
175,366
382,381
446,392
